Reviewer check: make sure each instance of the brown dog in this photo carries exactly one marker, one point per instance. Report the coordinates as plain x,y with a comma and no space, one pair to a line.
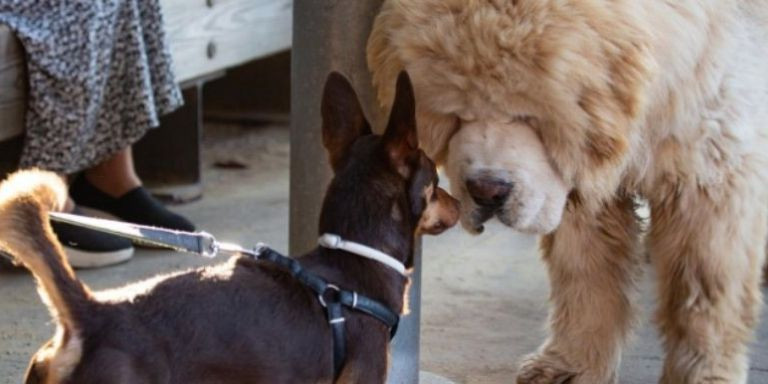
244,321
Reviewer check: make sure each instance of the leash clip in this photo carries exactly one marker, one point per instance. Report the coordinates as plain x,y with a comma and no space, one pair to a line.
209,247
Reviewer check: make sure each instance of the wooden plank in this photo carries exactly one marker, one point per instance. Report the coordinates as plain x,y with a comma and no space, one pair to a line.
207,38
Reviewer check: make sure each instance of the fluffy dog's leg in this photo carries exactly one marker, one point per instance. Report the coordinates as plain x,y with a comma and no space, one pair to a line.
25,199
593,267
708,250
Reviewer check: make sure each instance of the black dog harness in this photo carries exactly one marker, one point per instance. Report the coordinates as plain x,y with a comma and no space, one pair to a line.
331,297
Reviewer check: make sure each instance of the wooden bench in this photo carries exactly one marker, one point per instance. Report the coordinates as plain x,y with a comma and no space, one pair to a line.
206,37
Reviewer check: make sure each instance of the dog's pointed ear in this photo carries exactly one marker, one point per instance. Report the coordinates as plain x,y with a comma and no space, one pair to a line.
400,139
343,118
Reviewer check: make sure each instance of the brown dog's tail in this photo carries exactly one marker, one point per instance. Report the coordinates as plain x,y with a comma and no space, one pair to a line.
25,199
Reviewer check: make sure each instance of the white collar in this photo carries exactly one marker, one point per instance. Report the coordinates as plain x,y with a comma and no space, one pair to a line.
331,241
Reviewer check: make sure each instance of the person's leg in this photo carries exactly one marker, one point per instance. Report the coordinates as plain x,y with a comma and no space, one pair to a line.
115,176
69,206
113,189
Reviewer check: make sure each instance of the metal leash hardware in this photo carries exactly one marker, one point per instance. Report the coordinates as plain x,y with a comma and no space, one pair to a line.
200,243
215,248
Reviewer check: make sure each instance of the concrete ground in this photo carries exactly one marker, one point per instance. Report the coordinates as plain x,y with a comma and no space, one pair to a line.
484,299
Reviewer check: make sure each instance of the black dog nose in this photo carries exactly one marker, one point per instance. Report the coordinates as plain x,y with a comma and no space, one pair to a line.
489,191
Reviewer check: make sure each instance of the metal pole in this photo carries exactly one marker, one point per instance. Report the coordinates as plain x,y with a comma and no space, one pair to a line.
331,35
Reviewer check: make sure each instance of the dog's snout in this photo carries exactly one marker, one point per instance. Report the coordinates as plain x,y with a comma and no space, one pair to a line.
488,191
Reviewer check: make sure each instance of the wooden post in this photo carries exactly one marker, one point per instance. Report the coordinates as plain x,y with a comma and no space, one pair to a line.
331,35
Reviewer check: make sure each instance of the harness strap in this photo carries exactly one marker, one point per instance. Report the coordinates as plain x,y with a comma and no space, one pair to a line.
314,282
372,308
332,298
336,321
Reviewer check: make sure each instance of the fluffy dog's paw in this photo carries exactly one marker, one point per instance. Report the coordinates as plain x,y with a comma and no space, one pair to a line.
551,368
540,369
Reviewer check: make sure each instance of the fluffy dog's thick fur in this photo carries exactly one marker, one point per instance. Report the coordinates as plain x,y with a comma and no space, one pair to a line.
661,99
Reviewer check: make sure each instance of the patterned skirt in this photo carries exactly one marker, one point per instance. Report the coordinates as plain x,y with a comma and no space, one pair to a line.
100,75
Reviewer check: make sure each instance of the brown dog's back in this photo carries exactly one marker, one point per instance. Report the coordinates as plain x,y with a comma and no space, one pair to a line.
116,330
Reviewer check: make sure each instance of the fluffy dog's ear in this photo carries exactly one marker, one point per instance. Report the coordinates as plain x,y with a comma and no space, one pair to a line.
435,132
400,139
343,118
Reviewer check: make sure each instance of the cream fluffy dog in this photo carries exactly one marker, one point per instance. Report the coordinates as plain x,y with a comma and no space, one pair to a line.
554,115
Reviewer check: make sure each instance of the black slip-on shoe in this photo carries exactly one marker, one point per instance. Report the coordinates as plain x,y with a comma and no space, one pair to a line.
86,248
136,206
